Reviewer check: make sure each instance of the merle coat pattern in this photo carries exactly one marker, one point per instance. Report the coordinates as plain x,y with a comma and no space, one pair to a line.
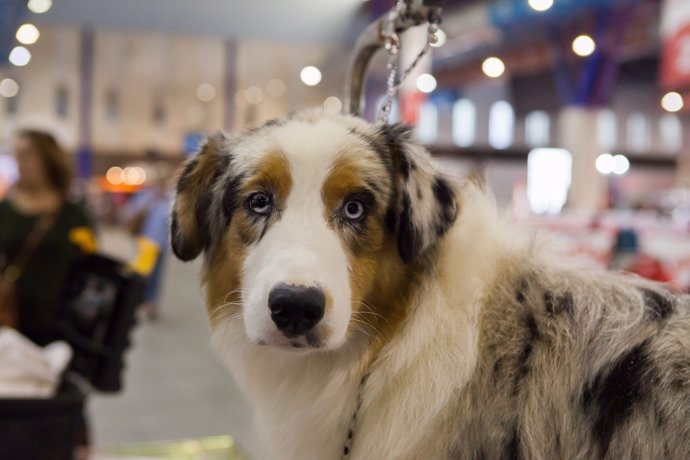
473,344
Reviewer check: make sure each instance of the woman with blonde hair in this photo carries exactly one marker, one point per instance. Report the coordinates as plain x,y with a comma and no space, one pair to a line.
39,229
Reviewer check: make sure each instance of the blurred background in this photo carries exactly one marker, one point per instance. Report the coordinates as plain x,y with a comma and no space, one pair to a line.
574,111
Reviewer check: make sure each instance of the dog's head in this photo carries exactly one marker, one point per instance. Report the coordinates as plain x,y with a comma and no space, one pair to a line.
299,220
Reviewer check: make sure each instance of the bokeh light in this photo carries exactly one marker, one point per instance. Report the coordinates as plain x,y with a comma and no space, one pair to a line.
310,76
27,34
493,67
584,45
20,56
426,83
8,88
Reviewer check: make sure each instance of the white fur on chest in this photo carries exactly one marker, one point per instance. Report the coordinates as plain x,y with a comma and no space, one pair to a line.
304,403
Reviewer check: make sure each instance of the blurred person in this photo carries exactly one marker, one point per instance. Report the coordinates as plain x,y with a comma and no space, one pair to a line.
41,234
146,218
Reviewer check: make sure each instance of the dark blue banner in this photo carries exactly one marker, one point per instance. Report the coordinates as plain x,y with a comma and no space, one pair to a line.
505,13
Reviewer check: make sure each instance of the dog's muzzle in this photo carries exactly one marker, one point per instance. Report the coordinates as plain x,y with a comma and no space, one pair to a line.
295,310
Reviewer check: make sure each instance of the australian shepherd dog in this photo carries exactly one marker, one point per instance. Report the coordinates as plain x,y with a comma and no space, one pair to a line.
372,308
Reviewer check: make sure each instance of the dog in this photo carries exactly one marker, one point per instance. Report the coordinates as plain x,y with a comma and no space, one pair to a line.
372,308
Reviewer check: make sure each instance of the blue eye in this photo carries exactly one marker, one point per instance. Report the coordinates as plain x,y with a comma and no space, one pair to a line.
353,210
260,203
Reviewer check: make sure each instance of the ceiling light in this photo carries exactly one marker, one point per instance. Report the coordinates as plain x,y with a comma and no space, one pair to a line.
8,88
426,83
134,175
205,92
584,45
20,56
493,67
310,76
621,164
672,102
332,105
441,39
39,6
115,175
605,163
540,5
254,95
276,87
27,34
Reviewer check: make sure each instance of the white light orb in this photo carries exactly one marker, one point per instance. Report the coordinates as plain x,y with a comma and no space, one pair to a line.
605,163
540,5
8,88
20,56
27,34
310,76
672,102
426,83
115,175
493,67
206,92
39,6
253,95
332,105
584,45
276,87
621,164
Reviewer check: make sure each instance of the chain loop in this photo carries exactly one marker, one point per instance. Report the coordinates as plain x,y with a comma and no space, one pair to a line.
393,44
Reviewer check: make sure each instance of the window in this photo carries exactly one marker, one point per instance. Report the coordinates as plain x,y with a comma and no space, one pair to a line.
427,126
61,101
11,104
671,133
637,133
464,123
158,113
537,129
549,175
607,133
501,125
112,105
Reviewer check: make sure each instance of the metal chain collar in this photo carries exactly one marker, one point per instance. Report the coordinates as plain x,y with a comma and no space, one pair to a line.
393,45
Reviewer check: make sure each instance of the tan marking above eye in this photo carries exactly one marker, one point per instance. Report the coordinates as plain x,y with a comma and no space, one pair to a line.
343,180
272,174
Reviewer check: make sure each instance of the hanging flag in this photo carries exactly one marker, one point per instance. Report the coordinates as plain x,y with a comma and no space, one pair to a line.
675,33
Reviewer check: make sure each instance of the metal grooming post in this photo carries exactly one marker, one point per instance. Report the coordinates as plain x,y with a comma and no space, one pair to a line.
415,13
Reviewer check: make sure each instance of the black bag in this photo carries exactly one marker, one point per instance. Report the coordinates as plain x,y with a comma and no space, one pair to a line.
98,312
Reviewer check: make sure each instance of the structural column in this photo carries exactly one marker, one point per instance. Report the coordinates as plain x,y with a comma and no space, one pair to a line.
229,84
578,130
86,56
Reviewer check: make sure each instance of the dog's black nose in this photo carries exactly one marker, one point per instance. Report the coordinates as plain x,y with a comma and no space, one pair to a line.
296,309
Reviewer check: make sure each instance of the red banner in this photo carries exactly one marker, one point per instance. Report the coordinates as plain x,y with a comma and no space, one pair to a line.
675,32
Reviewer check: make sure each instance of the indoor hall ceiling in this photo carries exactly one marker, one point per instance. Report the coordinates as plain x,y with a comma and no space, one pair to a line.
328,22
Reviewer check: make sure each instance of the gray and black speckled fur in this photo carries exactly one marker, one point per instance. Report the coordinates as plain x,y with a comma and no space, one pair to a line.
577,366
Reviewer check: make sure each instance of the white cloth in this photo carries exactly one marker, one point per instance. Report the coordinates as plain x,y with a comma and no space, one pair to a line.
27,370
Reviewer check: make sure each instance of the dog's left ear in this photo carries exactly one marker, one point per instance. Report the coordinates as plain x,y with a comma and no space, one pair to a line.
194,214
425,204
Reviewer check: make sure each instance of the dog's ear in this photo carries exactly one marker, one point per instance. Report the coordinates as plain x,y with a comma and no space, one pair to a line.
193,211
424,204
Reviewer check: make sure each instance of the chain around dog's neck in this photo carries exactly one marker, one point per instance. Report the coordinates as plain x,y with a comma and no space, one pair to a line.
347,447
